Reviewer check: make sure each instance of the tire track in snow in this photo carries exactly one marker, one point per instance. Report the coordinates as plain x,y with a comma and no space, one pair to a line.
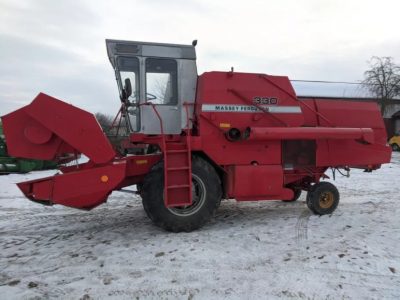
302,230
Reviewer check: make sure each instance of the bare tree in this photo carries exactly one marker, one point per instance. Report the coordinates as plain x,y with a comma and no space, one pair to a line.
382,80
104,120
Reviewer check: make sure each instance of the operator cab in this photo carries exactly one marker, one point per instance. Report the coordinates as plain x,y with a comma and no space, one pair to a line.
162,74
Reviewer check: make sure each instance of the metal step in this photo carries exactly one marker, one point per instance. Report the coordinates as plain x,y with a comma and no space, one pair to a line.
178,169
178,186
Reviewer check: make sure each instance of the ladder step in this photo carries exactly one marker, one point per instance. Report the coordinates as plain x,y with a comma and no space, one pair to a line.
176,146
177,151
178,186
178,169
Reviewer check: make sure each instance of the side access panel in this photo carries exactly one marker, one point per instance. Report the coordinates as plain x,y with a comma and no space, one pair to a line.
257,182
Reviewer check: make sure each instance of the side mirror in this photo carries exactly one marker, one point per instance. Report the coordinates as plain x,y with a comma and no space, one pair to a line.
127,88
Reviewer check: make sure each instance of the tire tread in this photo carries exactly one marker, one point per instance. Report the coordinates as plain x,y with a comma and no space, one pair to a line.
153,204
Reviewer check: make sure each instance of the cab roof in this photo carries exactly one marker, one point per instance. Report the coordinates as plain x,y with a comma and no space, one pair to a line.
134,48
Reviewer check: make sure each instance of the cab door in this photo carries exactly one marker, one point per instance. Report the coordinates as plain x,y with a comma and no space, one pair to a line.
161,89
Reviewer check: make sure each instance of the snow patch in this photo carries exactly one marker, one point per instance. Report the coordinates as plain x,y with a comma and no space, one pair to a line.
268,250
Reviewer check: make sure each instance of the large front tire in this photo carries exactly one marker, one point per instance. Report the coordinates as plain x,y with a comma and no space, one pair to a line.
207,193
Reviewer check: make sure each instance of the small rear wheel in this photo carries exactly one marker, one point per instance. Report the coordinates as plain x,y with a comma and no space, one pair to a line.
323,198
395,147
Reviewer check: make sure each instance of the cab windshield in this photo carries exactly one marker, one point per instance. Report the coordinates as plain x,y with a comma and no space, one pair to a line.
128,67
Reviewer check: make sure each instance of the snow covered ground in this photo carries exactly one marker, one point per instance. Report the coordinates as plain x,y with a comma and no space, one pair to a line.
260,250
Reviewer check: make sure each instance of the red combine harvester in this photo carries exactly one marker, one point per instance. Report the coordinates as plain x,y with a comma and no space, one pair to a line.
200,139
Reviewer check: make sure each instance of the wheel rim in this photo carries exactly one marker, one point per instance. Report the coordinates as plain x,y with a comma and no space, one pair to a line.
326,200
198,198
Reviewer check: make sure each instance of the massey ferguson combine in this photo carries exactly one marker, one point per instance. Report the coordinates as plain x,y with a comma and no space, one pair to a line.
198,138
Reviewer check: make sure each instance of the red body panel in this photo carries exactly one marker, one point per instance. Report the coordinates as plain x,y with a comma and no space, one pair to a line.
48,128
82,189
344,134
248,182
88,185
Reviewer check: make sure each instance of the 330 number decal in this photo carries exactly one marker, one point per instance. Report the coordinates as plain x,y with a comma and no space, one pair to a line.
265,100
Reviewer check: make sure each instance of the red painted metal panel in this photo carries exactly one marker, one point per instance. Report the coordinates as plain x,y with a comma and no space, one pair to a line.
19,145
359,123
83,189
255,182
86,186
139,165
242,90
333,153
38,130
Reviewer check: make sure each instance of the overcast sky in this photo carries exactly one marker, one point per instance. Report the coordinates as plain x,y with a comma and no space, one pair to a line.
58,47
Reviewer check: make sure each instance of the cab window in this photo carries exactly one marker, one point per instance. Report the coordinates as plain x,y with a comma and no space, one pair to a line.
129,68
161,81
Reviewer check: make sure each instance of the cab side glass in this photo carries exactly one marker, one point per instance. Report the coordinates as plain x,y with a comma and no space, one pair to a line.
129,69
161,81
